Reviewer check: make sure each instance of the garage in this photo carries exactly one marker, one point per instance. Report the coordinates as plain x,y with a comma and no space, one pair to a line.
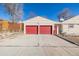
39,25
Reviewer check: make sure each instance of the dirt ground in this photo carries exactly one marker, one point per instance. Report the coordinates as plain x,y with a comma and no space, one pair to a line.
71,38
4,35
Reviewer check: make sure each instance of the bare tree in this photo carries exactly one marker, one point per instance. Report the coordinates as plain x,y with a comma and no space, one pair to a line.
65,14
10,8
15,10
20,14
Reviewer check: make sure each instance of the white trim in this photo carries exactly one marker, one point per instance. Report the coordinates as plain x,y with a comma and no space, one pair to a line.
57,29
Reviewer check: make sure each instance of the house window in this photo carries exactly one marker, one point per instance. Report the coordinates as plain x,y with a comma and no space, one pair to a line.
70,26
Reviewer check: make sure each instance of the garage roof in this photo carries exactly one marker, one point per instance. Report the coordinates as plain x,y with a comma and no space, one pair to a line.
40,20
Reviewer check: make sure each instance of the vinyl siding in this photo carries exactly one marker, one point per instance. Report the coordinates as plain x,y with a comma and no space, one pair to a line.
71,31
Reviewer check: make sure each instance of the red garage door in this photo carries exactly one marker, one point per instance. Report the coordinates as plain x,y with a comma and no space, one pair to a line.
31,29
45,29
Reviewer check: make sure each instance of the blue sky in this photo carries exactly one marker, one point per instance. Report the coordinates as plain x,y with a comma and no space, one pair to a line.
48,10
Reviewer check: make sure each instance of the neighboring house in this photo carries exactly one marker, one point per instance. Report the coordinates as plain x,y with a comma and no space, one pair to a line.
71,26
6,25
40,25
15,27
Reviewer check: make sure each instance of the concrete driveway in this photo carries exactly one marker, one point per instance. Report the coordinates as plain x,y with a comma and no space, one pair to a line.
37,45
34,40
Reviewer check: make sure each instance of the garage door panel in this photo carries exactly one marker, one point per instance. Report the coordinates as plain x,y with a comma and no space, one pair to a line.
31,29
45,30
